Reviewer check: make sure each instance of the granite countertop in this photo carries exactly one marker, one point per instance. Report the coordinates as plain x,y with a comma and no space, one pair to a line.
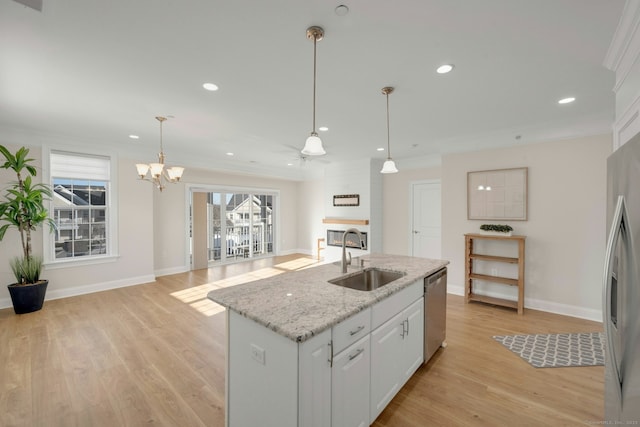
301,304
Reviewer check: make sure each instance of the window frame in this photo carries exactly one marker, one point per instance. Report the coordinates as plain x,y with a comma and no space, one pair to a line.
209,188
111,217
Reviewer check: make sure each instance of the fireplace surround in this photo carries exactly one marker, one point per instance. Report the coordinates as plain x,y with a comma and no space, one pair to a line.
334,238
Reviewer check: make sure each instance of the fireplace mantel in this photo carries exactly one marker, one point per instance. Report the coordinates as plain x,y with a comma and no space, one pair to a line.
345,221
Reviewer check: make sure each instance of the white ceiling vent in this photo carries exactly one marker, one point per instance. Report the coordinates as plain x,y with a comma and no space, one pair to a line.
33,4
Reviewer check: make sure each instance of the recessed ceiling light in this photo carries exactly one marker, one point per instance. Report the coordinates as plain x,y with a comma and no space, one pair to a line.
229,154
444,69
289,164
380,149
323,128
210,86
566,100
134,137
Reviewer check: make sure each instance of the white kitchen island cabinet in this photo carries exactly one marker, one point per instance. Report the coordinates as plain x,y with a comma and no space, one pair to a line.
397,349
302,351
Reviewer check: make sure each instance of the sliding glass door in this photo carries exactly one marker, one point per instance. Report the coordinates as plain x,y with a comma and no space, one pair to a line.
239,225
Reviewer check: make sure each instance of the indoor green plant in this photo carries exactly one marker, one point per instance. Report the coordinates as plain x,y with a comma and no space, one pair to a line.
23,206
496,228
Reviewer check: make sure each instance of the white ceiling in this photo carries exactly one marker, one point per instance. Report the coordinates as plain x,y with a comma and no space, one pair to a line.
91,72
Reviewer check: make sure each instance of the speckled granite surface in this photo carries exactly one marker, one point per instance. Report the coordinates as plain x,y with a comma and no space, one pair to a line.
301,304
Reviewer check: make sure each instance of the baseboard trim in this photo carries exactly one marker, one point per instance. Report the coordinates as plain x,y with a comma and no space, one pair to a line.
542,305
87,289
169,271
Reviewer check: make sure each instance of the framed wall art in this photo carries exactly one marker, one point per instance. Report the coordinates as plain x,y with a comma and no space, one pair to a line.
499,194
346,200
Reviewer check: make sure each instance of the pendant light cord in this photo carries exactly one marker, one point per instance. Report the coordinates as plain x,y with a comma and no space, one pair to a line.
315,40
388,143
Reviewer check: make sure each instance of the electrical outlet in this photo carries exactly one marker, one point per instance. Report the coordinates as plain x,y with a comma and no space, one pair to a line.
494,271
257,354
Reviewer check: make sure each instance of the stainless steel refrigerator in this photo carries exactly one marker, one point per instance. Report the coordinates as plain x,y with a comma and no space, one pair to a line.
621,299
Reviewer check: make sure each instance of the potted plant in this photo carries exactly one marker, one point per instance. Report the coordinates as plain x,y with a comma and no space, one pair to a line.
23,206
499,229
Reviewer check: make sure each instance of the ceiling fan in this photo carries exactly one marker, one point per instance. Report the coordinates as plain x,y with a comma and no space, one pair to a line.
33,4
303,159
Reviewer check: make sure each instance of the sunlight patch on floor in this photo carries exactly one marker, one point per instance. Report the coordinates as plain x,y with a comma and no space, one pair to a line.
193,294
297,264
207,307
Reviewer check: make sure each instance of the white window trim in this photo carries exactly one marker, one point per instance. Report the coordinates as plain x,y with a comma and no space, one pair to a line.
112,204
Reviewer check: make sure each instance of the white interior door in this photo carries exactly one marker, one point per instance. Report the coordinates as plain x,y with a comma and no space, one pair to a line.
426,221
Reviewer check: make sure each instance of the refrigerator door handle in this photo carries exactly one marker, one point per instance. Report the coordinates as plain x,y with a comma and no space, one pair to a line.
618,227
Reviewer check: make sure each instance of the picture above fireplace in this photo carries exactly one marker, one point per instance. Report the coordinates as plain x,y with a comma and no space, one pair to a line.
334,238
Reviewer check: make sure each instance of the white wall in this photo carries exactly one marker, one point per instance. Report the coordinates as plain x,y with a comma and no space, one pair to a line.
566,228
170,221
135,262
310,203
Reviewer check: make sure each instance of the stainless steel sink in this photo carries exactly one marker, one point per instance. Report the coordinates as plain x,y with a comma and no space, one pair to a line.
367,279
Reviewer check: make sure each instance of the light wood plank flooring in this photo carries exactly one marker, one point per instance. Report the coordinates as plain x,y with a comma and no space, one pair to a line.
153,354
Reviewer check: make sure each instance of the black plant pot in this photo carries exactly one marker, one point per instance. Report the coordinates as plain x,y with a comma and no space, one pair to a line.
28,298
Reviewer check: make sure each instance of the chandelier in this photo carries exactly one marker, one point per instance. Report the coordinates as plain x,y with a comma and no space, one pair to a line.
158,175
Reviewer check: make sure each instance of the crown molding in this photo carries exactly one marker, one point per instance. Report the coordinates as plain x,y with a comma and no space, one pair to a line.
624,49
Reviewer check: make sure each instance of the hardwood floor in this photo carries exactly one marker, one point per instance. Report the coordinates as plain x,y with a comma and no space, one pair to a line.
153,354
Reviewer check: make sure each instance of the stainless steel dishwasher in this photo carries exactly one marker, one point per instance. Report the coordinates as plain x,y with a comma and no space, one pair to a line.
435,312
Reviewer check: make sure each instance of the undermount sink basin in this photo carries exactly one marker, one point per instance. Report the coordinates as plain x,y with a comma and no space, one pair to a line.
367,279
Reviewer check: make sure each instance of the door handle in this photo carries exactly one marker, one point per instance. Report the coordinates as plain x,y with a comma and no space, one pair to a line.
356,354
356,330
416,231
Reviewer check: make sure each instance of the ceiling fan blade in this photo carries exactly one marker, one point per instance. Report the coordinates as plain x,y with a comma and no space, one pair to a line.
33,4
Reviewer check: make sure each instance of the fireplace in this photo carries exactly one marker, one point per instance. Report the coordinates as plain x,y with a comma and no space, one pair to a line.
334,238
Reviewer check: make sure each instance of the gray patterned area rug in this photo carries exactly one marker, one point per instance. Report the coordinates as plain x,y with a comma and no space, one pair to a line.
557,350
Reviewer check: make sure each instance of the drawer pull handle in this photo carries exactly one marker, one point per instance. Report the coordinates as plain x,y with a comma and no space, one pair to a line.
356,354
358,329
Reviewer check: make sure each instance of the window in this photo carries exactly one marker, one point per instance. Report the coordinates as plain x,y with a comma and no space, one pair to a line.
240,225
80,206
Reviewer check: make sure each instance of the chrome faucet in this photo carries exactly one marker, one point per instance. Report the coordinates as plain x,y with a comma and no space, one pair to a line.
345,263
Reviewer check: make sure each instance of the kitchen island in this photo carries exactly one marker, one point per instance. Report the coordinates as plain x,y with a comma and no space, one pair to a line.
302,351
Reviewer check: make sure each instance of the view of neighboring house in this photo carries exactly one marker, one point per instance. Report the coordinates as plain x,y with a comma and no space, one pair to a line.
247,230
79,213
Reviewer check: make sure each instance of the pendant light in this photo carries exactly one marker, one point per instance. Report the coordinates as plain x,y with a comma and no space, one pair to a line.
389,165
158,174
313,145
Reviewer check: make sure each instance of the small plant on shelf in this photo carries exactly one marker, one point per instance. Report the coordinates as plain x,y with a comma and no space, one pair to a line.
499,228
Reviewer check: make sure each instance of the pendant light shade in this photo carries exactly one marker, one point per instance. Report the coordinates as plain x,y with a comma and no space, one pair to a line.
313,145
389,165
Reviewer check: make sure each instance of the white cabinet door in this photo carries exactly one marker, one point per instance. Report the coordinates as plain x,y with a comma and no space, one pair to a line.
350,386
314,381
413,342
386,345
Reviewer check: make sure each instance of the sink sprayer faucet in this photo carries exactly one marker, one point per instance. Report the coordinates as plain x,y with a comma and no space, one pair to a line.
344,247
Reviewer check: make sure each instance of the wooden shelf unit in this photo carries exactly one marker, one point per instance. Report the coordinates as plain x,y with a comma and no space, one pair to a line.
470,276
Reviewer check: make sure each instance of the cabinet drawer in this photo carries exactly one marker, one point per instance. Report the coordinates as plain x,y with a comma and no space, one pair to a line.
387,308
351,330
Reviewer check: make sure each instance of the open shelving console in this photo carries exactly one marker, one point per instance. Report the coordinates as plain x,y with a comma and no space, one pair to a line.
470,276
